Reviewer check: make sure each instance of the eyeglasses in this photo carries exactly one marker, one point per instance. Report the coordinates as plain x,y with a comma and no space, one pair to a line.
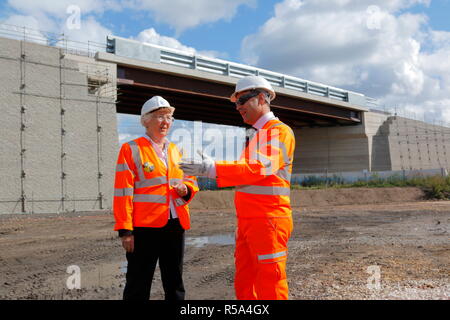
166,118
244,98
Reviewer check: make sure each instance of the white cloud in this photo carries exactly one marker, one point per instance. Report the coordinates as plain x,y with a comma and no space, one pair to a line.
359,5
89,30
25,21
36,24
365,46
125,137
440,38
73,18
59,8
184,14
179,14
446,110
76,19
151,36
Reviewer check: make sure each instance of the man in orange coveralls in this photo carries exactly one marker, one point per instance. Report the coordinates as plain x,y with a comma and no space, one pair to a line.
151,197
262,198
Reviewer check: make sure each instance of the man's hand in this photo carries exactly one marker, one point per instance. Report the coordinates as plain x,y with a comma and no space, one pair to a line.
181,189
192,168
128,243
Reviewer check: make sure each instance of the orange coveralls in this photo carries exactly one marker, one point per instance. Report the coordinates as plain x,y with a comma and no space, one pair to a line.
264,216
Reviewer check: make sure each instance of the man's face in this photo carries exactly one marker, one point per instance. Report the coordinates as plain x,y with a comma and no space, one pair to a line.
159,123
252,109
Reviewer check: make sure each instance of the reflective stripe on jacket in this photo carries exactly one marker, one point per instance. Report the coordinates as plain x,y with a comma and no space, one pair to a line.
143,184
263,173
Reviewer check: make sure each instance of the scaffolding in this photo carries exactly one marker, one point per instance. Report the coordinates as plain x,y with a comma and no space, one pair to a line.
100,89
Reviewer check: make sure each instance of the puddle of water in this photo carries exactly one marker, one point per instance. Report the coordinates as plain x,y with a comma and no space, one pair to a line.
220,239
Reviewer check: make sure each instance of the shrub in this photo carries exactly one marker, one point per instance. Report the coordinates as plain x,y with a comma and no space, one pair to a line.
435,187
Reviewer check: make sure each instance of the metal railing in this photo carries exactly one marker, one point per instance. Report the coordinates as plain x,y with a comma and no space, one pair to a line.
372,103
225,68
217,66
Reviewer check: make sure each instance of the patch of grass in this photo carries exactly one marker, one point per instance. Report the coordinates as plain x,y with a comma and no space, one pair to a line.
435,187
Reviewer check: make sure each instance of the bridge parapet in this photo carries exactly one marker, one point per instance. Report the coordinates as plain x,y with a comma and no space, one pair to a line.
158,54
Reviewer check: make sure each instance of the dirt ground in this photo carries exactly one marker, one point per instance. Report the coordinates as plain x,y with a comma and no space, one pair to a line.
391,250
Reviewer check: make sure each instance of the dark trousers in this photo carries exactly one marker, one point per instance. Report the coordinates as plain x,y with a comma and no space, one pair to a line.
151,244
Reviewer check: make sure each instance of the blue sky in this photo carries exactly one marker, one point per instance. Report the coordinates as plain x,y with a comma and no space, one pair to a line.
397,51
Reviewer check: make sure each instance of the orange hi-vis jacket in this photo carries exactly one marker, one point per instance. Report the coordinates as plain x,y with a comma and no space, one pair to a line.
262,175
143,184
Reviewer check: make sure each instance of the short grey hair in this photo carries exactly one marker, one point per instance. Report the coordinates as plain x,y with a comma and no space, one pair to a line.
145,117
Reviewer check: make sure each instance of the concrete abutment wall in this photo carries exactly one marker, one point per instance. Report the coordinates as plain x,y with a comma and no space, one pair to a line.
381,143
58,143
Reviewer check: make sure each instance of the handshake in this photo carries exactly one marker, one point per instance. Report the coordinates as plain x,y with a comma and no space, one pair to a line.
205,167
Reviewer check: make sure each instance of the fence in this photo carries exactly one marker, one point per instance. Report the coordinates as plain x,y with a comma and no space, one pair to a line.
325,178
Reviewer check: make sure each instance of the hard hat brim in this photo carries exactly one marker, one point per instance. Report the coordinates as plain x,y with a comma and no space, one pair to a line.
156,108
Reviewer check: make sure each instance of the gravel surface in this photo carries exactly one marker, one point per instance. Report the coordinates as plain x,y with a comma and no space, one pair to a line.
377,251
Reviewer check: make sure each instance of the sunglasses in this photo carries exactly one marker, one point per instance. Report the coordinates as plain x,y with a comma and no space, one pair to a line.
244,98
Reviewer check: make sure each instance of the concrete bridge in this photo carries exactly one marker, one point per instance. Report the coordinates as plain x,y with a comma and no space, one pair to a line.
200,87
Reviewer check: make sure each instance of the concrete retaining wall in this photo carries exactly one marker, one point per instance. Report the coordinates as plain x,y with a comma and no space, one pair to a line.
381,143
58,143
417,145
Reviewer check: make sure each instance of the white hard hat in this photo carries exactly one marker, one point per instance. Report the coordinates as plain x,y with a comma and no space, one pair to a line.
154,103
253,82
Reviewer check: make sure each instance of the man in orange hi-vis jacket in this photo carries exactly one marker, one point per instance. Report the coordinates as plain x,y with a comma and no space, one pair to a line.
151,197
262,199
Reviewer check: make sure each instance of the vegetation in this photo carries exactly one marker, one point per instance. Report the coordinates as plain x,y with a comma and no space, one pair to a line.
435,187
